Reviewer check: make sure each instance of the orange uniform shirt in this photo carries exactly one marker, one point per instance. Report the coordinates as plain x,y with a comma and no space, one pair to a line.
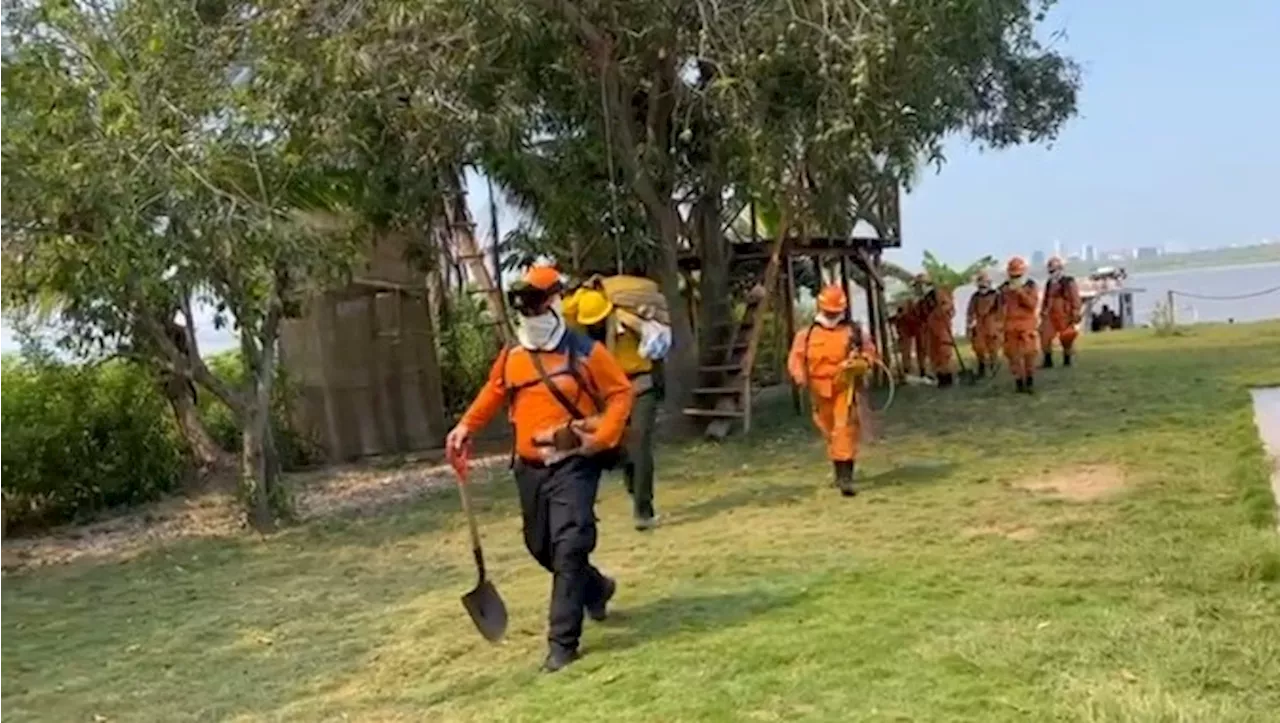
817,355
535,409
984,310
1019,305
1061,300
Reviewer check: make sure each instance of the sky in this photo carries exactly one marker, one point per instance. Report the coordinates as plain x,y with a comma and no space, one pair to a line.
1175,144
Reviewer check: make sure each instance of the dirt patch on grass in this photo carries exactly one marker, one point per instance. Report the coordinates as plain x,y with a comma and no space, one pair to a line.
1079,484
349,490
1017,534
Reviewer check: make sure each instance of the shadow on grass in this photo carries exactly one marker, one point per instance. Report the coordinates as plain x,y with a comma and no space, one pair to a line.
909,473
769,496
630,627
687,614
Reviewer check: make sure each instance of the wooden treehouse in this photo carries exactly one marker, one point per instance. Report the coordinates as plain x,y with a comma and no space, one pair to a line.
732,338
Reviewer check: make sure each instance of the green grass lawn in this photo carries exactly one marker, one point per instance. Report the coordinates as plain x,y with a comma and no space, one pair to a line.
1103,551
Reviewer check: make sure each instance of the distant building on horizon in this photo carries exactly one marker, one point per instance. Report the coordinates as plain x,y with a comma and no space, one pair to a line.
1089,253
1146,252
1037,259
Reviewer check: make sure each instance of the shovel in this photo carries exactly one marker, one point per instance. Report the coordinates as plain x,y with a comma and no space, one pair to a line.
483,603
967,375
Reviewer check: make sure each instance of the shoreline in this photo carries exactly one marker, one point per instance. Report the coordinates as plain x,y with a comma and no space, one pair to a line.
1186,269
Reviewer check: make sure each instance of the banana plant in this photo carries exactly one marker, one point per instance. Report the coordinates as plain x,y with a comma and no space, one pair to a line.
948,277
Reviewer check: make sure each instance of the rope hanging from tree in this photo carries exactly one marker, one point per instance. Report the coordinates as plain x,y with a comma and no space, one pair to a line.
608,154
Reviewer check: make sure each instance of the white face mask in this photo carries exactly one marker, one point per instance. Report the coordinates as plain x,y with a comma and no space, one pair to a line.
829,321
1055,274
544,331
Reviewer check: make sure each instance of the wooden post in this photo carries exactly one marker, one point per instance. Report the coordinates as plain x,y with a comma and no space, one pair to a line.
497,243
789,325
844,283
1173,315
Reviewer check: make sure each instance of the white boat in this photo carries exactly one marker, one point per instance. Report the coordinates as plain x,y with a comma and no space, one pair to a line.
1106,302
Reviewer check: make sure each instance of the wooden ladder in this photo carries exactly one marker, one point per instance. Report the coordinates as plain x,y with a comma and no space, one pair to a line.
724,390
465,252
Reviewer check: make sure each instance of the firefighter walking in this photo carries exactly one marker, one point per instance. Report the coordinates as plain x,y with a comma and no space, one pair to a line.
983,323
831,359
638,334
568,400
1018,299
1059,313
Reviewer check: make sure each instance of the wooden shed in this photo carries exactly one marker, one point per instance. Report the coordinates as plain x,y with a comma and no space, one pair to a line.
364,361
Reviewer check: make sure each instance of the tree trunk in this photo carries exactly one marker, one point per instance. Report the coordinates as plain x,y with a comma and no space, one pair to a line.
253,470
259,476
681,365
208,455
713,283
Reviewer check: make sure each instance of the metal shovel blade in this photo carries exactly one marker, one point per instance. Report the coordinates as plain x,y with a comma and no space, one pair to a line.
487,611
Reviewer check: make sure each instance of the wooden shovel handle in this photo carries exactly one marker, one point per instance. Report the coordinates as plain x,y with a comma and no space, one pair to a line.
461,462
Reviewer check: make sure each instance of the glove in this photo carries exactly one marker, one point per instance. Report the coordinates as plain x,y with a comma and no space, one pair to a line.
857,366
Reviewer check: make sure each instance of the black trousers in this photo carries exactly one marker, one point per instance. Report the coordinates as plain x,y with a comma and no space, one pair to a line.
557,503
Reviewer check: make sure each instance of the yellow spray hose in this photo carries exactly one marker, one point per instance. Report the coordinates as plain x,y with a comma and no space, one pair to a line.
893,387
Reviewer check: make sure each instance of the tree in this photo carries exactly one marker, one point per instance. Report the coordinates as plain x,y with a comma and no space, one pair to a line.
149,159
818,107
611,74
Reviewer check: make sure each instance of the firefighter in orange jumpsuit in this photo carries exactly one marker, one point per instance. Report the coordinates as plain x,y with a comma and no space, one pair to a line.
1018,301
982,320
1059,313
907,329
938,309
831,358
568,400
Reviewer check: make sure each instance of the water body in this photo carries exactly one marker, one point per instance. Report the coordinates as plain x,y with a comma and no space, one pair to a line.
1223,281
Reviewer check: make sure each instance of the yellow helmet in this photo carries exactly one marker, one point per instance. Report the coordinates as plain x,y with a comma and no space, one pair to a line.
593,307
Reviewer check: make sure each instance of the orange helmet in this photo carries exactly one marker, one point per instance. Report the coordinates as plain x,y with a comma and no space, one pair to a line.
1055,263
831,300
529,295
542,277
1017,266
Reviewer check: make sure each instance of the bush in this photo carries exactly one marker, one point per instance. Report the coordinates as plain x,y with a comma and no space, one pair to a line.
81,439
294,448
467,345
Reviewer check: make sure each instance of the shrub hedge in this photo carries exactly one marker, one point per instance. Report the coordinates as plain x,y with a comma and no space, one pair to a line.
82,438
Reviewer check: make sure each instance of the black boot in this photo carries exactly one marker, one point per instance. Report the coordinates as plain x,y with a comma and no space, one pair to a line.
1066,359
557,659
1019,386
598,610
982,369
1048,360
844,478
1031,386
945,380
